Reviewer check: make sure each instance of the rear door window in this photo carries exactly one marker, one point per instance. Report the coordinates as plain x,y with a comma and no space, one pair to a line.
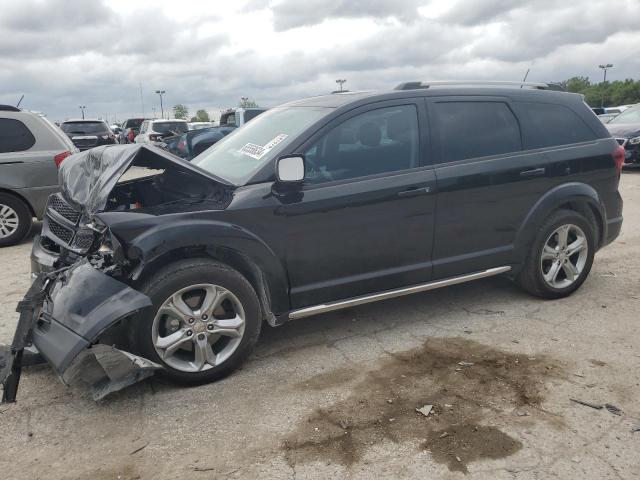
471,129
15,136
548,125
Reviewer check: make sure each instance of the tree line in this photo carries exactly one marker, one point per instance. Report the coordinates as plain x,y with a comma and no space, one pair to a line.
607,94
182,111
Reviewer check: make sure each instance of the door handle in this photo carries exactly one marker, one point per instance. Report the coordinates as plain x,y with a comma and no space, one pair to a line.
412,192
536,172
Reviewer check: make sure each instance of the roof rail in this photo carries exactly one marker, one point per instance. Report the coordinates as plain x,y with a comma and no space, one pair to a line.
9,108
500,83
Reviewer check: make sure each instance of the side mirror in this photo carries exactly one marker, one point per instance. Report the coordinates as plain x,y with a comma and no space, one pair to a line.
290,169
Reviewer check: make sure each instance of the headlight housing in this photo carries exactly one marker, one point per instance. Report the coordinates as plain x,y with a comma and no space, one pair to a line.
634,141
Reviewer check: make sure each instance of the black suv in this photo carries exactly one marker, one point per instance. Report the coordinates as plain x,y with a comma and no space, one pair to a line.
87,134
317,205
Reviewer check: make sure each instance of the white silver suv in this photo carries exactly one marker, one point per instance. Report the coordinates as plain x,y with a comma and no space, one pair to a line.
154,131
31,148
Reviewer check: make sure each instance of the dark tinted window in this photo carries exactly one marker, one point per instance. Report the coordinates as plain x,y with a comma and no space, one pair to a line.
474,129
166,127
82,128
382,140
133,123
546,125
15,136
250,114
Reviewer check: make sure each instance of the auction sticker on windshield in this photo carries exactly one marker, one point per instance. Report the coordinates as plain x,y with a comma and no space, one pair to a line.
258,151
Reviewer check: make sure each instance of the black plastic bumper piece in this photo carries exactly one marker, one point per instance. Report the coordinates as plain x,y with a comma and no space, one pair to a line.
11,355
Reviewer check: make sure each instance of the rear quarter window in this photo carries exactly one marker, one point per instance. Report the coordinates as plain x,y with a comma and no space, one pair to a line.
15,136
471,129
548,125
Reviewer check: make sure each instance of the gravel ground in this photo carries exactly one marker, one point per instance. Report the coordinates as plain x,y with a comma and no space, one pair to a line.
335,396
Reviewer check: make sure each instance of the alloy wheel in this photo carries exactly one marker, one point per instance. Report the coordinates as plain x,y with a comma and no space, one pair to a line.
8,221
198,327
564,256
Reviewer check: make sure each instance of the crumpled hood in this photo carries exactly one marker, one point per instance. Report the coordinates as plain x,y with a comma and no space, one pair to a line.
87,178
623,130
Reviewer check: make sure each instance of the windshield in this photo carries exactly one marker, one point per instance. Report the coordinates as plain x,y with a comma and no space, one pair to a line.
244,151
85,127
166,127
630,115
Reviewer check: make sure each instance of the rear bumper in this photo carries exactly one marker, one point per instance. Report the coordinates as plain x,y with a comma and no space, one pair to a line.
614,226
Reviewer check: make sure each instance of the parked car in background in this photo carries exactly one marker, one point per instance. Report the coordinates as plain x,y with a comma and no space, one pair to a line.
199,125
31,149
117,130
87,134
625,128
130,129
606,117
236,117
318,205
154,131
194,142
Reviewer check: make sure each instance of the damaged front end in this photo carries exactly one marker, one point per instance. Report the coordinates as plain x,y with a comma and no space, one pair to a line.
81,271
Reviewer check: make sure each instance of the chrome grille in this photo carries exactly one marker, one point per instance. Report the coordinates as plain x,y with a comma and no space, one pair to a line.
63,208
63,233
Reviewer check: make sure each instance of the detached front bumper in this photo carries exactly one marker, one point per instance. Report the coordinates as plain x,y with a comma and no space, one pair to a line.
63,315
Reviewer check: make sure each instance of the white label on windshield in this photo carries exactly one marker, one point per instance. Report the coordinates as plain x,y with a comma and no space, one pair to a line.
275,141
254,151
257,151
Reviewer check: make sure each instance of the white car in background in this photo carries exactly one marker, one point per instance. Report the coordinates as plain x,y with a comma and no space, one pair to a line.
154,131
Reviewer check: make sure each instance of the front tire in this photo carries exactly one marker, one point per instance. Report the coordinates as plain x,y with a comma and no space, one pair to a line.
204,322
560,257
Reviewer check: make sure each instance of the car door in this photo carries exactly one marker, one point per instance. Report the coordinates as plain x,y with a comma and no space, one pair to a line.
487,183
363,221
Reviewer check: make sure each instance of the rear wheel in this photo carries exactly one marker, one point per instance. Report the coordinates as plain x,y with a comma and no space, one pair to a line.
204,322
561,256
15,220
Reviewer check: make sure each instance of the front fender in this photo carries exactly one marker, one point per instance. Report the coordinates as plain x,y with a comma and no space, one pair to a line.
211,236
574,192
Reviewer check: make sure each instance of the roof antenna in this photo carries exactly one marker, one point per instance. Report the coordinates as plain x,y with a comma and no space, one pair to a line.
525,77
20,101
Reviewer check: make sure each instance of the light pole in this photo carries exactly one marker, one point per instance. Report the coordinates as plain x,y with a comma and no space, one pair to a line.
82,107
340,82
161,92
604,80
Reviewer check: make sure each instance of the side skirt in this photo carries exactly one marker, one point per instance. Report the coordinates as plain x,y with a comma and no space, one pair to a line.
399,292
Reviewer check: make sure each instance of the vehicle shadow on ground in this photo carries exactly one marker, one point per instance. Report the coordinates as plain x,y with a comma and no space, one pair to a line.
442,312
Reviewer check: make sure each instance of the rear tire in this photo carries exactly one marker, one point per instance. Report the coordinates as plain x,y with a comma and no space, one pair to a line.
560,257
193,301
15,220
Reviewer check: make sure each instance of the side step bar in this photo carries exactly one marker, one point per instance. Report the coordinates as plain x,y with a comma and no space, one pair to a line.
352,302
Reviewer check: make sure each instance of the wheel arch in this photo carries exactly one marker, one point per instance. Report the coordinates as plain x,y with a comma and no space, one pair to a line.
578,197
23,199
231,245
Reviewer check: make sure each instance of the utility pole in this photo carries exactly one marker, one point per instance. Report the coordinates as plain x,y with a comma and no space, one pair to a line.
161,92
604,80
340,82
82,107
142,100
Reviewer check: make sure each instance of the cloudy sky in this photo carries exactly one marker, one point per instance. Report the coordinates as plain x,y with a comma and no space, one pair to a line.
207,54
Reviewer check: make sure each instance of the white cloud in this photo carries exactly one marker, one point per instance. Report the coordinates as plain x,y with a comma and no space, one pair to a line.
62,54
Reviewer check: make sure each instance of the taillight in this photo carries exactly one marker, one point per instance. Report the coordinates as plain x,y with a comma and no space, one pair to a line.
60,157
618,157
